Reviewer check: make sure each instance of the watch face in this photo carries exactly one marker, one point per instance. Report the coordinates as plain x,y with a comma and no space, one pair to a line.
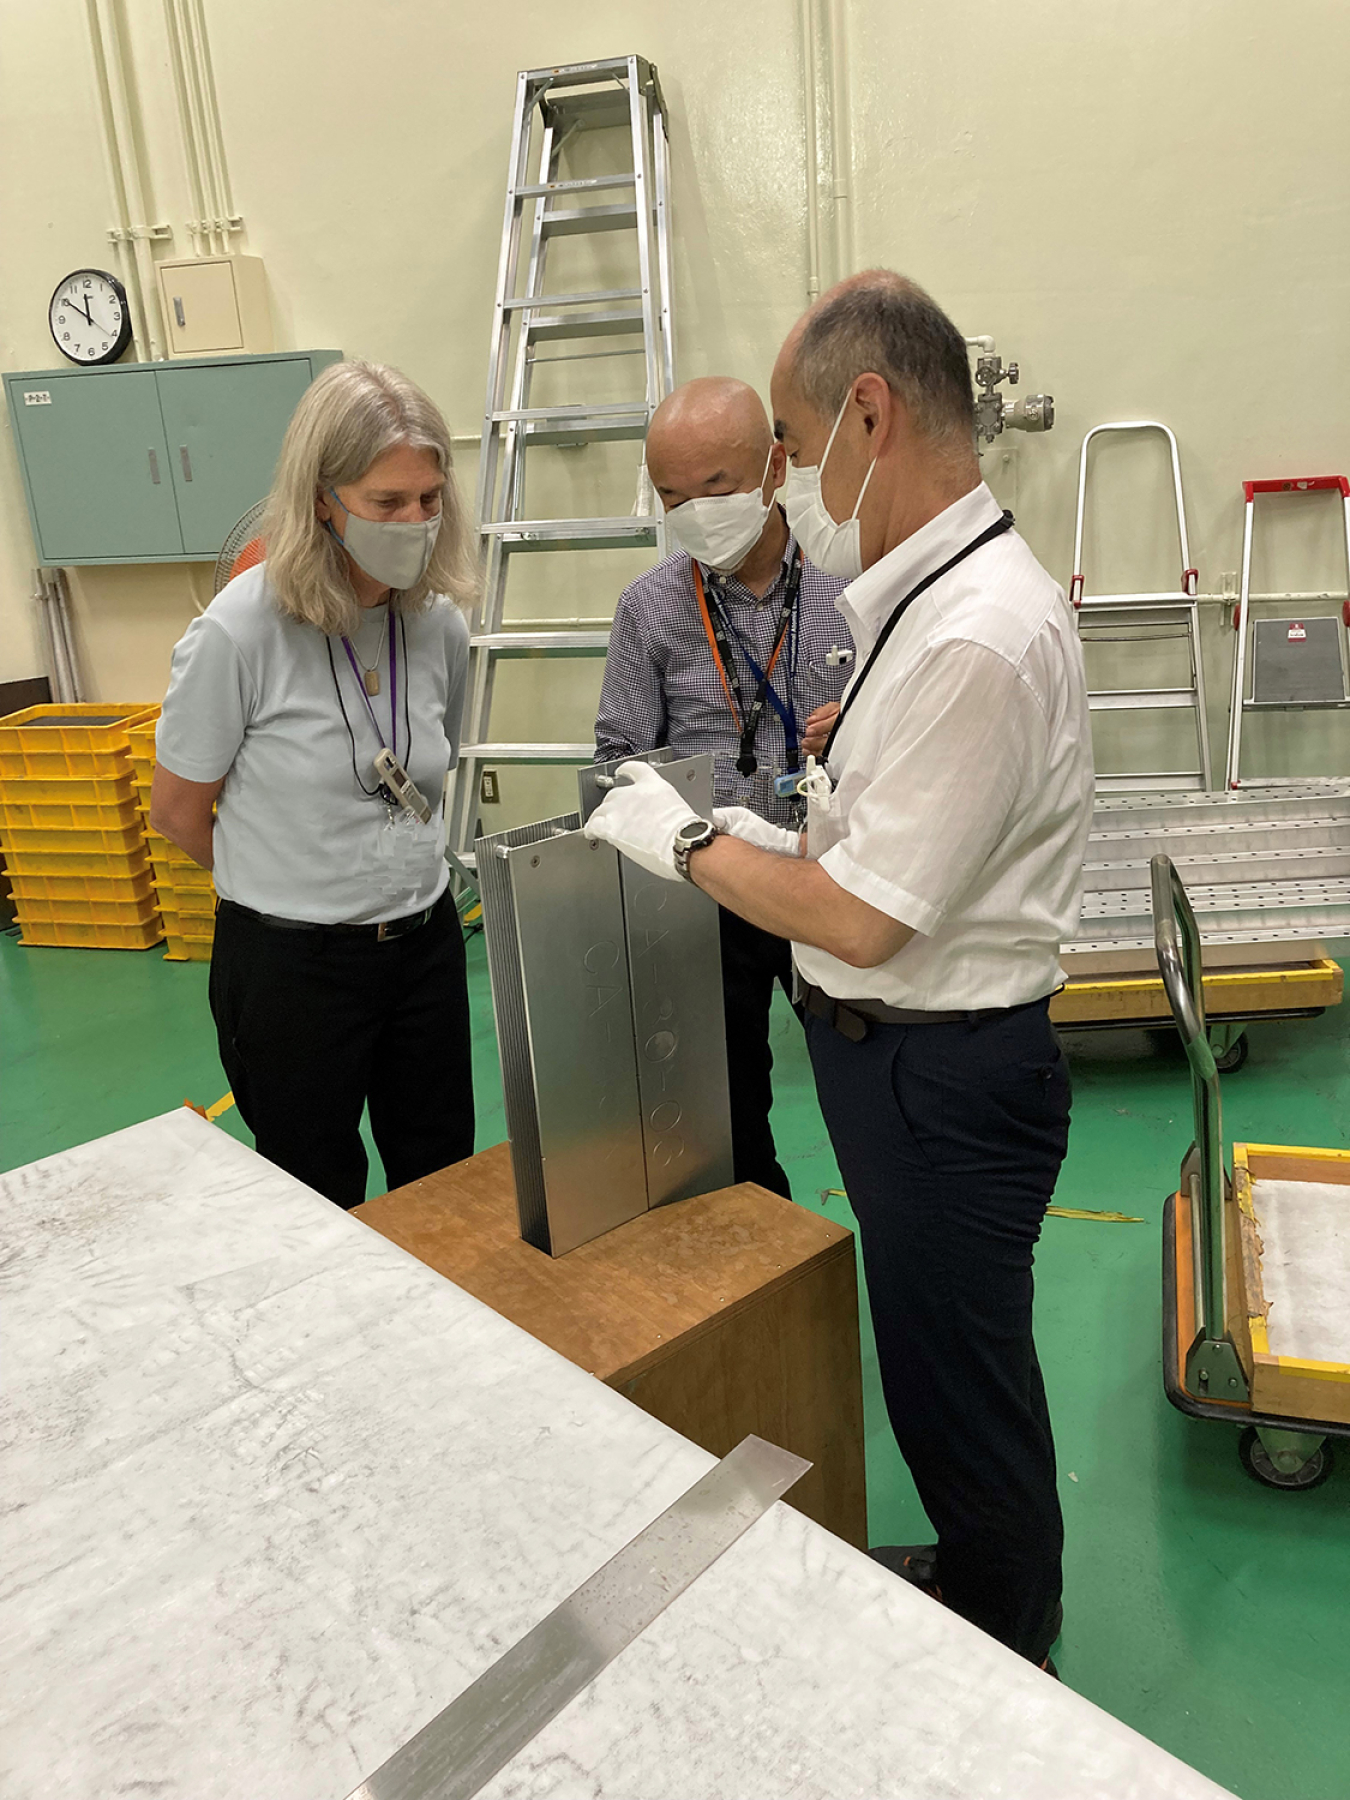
89,317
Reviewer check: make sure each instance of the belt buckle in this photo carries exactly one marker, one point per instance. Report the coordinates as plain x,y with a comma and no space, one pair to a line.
382,932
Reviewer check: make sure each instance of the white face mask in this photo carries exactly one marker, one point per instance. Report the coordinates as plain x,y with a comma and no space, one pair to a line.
722,529
395,551
835,549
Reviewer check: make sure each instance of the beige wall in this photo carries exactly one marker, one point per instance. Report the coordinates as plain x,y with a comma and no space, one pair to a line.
1143,202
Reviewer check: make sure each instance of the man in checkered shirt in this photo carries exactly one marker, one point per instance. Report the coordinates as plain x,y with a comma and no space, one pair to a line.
715,466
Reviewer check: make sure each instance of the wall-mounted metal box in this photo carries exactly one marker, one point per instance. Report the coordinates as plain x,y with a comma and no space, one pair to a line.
151,462
214,304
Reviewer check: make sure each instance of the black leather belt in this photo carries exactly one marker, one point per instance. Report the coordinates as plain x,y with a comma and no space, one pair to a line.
381,933
853,1019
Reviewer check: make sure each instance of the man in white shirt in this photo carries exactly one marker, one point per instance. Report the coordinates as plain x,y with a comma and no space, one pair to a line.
941,874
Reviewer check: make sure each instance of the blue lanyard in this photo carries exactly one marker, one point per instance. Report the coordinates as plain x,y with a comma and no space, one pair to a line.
786,710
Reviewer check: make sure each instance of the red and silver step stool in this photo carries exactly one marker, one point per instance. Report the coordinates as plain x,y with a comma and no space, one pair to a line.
1297,665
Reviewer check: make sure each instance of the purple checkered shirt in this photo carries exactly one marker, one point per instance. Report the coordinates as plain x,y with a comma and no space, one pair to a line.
662,684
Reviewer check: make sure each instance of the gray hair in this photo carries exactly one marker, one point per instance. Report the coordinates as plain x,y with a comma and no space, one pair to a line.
883,324
346,420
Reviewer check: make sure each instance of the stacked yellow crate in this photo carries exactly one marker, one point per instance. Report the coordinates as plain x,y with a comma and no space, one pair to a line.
187,899
73,843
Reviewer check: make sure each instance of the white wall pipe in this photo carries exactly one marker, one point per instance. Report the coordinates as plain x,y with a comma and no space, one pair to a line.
121,233
67,630
841,139
105,31
809,23
55,668
195,107
205,114
197,192
215,134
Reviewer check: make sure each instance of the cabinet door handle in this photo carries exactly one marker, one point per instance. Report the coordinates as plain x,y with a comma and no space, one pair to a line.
178,311
186,461
154,468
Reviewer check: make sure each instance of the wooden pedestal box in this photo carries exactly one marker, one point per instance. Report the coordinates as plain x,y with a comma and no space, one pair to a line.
731,1313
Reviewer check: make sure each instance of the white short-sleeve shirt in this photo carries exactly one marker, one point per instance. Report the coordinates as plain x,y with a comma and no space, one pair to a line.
963,774
274,707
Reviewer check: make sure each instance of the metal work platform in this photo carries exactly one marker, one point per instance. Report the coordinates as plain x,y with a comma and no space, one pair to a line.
1260,868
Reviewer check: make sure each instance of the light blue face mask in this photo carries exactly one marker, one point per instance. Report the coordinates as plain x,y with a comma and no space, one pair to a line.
394,551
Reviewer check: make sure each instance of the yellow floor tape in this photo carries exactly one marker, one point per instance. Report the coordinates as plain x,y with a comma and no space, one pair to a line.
212,1113
1058,1212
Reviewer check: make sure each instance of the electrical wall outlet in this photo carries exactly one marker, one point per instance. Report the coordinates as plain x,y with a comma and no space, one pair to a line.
488,791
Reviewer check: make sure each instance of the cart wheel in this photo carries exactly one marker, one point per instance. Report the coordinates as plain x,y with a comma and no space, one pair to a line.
1255,1460
1233,1057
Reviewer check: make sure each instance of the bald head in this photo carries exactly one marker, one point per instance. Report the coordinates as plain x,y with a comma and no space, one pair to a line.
710,436
883,323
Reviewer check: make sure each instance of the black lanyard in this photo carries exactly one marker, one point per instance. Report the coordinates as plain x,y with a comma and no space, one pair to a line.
748,719
986,537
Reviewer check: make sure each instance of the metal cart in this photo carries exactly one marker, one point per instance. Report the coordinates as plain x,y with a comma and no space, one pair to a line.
1226,1354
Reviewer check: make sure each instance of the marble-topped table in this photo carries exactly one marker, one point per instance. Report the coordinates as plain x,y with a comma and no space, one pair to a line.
275,1492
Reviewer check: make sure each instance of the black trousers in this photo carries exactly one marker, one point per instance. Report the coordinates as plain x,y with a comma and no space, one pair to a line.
752,960
312,1025
949,1139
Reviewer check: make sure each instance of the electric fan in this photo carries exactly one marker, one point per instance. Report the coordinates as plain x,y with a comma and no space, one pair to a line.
241,549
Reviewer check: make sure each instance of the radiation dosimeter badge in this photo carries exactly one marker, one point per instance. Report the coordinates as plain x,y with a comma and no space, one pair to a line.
402,786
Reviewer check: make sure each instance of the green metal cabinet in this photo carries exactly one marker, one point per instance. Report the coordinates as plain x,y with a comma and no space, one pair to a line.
151,462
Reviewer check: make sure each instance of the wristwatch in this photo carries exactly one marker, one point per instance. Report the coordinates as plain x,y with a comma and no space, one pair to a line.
693,836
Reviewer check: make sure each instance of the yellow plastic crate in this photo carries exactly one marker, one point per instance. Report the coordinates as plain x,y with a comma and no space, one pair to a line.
21,843
95,889
124,865
187,947
79,934
141,737
171,862
66,815
85,790
195,903
79,741
186,875
87,912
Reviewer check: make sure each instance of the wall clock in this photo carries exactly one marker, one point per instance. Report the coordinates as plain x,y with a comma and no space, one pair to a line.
89,317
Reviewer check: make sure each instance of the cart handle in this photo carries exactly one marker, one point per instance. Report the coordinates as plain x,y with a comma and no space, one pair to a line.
1176,939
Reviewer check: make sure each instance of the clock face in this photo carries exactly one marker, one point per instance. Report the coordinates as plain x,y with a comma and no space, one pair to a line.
89,317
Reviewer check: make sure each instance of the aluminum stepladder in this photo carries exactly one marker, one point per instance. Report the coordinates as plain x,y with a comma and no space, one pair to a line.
1298,665
1135,618
620,94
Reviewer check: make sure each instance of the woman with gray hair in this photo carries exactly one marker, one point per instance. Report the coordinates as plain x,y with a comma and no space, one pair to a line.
313,713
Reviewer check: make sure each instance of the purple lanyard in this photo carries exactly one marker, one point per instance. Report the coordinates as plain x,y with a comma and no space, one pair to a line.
393,689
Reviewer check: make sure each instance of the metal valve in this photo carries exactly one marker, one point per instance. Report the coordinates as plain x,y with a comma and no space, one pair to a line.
995,413
1033,412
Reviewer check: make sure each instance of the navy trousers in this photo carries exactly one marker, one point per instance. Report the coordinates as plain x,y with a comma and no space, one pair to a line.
949,1139
752,961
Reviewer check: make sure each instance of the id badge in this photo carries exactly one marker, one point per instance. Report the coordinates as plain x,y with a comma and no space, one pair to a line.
406,851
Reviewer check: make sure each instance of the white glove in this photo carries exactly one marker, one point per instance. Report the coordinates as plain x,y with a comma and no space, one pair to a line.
741,822
641,818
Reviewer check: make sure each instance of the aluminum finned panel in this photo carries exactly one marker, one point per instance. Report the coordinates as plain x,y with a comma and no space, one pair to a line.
573,958
675,966
510,1012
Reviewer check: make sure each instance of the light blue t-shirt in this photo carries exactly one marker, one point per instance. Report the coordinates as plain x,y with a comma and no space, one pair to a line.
258,698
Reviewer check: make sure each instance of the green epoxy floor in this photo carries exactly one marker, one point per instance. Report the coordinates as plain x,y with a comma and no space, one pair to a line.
1209,1613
